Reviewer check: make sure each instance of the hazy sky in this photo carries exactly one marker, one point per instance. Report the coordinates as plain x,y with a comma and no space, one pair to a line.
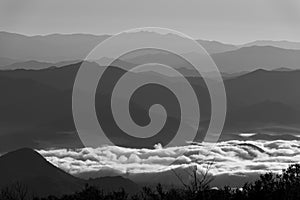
231,21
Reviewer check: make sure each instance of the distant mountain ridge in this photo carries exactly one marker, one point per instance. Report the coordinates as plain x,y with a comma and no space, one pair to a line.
35,65
7,61
49,48
213,47
55,48
257,57
245,59
36,105
280,44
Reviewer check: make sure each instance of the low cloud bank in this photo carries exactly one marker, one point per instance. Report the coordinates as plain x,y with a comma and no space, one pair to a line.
229,158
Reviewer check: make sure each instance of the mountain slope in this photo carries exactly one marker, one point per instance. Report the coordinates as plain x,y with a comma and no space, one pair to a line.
35,65
36,105
264,113
280,44
58,47
213,47
49,48
30,168
245,59
6,61
257,57
262,85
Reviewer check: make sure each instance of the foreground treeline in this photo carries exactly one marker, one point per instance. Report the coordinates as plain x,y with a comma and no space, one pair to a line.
270,186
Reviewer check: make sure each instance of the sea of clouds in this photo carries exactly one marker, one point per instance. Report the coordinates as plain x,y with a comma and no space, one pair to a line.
229,157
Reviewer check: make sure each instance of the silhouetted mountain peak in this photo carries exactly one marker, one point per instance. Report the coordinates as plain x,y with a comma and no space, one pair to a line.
26,163
30,168
27,166
20,155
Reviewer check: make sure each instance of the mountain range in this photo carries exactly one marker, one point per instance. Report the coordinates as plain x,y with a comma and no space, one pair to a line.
36,105
280,44
38,73
50,50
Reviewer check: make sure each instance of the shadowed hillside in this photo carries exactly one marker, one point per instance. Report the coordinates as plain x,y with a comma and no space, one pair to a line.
41,178
36,105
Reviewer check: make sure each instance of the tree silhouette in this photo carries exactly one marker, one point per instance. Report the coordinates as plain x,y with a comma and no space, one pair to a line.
269,186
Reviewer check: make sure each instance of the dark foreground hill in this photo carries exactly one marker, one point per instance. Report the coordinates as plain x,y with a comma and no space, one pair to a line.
269,186
29,168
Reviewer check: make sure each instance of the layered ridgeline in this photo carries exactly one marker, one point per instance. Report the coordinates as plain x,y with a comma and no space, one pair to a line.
36,105
58,47
50,50
38,74
36,81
